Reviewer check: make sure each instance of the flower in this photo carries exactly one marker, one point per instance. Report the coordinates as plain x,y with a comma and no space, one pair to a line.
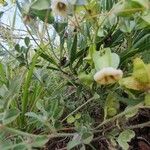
108,75
60,7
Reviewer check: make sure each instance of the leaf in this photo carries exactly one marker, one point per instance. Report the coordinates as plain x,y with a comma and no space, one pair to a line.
86,79
144,21
73,50
17,48
78,116
75,142
37,117
1,13
70,119
91,51
48,58
40,141
124,138
10,115
111,105
40,106
147,99
107,4
41,5
127,26
44,15
2,73
27,41
142,3
87,137
13,90
127,8
3,90
130,113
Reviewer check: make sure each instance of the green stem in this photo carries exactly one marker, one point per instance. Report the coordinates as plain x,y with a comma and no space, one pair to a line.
118,116
78,108
142,125
15,131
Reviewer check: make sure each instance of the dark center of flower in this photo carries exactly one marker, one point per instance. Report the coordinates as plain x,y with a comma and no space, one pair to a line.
61,6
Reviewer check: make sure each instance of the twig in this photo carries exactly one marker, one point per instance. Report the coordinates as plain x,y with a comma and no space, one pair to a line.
15,131
119,115
142,125
78,108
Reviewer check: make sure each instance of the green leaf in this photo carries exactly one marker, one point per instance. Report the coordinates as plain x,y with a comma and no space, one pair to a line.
86,79
3,90
124,138
107,4
75,142
1,13
147,99
73,50
44,15
78,116
91,51
27,41
2,73
48,58
40,106
111,105
128,8
10,115
40,141
17,48
127,26
130,113
71,119
144,21
41,5
87,137
142,3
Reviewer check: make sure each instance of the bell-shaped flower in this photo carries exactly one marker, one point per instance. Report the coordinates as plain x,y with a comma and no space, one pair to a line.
105,64
108,75
60,7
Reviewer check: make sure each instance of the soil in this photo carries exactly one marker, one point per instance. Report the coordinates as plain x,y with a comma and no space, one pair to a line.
140,142
142,139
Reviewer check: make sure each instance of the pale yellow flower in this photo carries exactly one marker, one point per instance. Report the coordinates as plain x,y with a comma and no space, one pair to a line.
108,75
60,7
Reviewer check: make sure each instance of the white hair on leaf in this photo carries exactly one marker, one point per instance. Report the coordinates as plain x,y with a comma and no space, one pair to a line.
108,75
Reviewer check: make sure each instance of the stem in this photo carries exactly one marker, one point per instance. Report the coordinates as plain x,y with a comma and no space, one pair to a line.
15,131
119,115
78,108
142,125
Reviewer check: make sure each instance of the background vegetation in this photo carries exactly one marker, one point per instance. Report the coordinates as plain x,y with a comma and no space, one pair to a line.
48,96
